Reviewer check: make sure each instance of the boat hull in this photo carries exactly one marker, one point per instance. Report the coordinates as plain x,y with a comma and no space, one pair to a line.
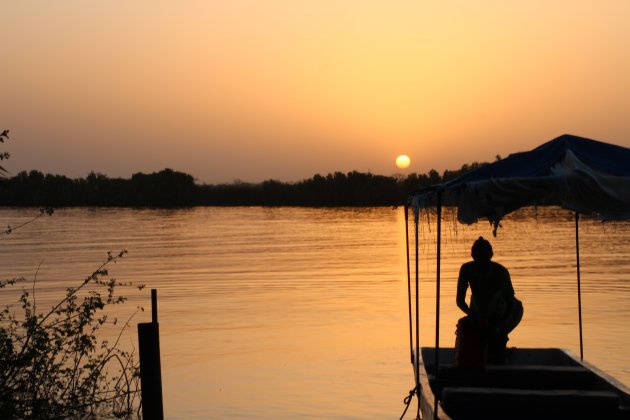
533,383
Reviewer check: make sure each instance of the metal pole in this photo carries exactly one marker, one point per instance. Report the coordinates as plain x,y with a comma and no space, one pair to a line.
417,363
579,288
409,281
437,296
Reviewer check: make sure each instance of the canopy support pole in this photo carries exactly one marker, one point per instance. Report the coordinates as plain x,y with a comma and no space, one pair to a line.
417,361
437,295
579,289
415,357
409,282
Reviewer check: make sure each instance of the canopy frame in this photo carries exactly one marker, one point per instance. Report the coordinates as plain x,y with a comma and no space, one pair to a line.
415,354
578,174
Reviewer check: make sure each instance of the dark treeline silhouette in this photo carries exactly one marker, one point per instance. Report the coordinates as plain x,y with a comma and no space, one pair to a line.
169,188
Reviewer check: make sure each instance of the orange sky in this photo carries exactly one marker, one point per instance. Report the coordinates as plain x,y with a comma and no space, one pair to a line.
253,90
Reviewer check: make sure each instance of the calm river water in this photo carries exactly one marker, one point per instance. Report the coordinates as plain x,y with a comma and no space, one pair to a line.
302,313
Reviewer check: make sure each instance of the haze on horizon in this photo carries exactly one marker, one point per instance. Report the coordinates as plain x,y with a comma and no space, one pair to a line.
285,89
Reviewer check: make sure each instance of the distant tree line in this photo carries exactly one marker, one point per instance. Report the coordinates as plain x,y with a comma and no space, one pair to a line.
169,188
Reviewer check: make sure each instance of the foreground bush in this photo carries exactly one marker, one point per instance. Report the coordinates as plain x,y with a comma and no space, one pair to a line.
54,365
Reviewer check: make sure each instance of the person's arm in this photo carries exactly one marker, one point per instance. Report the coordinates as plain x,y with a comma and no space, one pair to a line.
462,287
508,289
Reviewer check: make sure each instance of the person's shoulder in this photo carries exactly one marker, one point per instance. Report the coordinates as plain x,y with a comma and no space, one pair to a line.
499,267
467,266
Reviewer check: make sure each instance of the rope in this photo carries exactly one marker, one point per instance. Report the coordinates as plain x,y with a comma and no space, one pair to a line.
407,402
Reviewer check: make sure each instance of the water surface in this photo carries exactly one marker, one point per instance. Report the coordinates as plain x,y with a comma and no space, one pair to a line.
302,313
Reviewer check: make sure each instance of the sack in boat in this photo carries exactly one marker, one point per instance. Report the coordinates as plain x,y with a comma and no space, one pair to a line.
514,316
471,345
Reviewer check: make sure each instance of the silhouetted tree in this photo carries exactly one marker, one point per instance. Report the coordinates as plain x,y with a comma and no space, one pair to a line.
169,188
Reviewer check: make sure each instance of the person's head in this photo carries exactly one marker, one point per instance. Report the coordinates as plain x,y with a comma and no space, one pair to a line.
481,251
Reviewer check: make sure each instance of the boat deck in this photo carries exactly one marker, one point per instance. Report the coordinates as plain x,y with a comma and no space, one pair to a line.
533,384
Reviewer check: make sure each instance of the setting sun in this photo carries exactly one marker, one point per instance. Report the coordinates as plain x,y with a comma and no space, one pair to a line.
403,161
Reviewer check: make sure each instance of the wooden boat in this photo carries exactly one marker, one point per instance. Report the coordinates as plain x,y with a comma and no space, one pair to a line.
581,175
534,383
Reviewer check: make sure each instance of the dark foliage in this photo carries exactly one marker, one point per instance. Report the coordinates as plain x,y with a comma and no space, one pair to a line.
169,188
53,363
4,135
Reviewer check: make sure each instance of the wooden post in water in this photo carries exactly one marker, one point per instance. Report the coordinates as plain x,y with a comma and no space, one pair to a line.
150,369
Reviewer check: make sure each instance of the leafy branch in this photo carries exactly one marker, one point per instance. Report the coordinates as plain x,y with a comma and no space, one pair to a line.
54,364
43,211
4,155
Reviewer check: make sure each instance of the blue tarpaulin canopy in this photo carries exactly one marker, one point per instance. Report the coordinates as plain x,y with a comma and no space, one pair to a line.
578,174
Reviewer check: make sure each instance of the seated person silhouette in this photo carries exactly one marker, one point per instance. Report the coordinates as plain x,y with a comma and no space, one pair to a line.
493,311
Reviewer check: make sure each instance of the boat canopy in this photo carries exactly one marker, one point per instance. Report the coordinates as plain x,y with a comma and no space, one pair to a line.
582,175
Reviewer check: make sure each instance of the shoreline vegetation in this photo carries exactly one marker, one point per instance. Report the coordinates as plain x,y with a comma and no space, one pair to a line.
53,363
169,188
